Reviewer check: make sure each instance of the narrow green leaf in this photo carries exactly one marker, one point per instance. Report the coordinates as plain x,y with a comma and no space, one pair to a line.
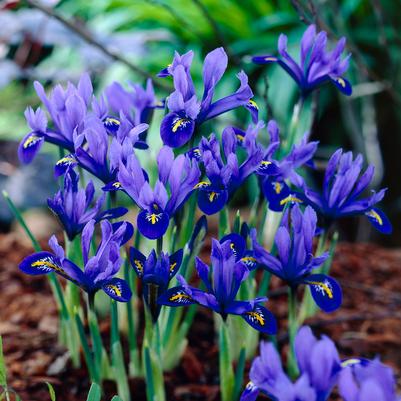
95,393
116,398
225,365
239,373
51,391
3,371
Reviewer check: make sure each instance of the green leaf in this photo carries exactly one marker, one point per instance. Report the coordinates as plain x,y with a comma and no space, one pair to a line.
95,393
51,391
116,398
225,365
3,372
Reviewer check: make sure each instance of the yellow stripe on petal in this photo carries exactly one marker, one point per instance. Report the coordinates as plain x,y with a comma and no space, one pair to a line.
179,122
114,289
258,317
201,184
31,140
324,287
376,216
290,198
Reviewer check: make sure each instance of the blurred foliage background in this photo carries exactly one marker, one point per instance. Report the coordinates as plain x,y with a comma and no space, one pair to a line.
60,41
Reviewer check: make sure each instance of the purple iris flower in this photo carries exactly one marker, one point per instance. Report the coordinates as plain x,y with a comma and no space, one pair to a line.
222,284
155,274
99,270
67,109
275,175
371,381
178,175
97,154
319,366
224,172
342,189
186,112
295,261
72,205
79,121
137,104
316,66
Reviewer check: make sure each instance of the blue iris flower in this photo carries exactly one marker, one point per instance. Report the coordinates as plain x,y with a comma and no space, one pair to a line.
316,66
178,175
185,110
99,269
224,172
155,274
295,261
222,283
318,362
72,205
343,186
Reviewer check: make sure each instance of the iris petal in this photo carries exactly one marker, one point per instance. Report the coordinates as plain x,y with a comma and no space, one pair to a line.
343,85
64,164
117,289
275,192
237,243
379,221
211,201
153,224
250,393
325,291
176,296
29,147
176,130
261,319
137,260
175,262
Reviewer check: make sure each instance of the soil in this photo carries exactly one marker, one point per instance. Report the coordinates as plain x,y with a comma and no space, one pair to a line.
368,324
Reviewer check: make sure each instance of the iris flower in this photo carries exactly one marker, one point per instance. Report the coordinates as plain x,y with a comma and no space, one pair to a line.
155,274
137,103
99,270
295,261
316,66
97,154
222,283
176,175
276,174
224,172
185,110
72,205
369,381
342,189
73,111
319,366
67,109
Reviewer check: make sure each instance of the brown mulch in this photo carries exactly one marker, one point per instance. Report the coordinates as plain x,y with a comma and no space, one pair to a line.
369,323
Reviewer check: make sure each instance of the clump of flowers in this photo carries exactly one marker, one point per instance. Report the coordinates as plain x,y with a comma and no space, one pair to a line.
107,137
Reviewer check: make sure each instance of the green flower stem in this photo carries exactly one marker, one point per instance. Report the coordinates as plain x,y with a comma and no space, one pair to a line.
293,128
134,365
224,222
88,355
189,220
117,357
227,378
153,364
292,331
159,246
